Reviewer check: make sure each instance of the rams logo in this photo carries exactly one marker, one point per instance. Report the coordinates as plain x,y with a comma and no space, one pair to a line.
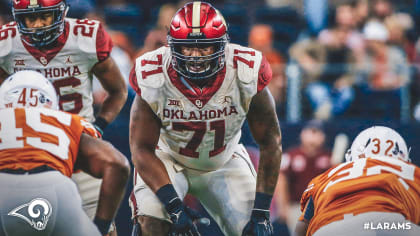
36,213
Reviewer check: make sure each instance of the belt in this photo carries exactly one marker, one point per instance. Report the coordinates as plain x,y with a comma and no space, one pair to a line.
35,170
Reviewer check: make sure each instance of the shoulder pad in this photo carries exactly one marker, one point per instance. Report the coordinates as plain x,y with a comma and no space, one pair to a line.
85,31
151,67
7,33
245,60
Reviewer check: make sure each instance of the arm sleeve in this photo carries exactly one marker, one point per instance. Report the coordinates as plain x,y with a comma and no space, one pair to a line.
307,201
133,81
265,74
103,44
308,212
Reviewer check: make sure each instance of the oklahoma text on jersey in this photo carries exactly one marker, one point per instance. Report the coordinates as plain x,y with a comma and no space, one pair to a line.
201,126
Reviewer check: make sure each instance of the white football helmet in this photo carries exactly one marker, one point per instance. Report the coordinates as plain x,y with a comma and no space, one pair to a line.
378,141
28,89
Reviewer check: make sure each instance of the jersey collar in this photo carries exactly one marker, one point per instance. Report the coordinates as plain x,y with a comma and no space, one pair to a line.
198,96
45,55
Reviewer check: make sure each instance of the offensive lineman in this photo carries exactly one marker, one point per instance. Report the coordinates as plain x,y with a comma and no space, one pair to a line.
67,52
192,99
40,147
376,187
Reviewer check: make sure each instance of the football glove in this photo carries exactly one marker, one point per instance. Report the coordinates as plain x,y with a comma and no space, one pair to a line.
259,225
184,219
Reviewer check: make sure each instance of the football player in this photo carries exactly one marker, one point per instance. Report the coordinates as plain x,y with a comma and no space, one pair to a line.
68,52
192,99
40,147
375,192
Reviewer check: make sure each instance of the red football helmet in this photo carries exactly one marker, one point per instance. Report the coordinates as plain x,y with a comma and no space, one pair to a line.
198,24
42,36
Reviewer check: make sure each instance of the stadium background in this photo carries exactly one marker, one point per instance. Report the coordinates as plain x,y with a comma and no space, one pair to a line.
130,23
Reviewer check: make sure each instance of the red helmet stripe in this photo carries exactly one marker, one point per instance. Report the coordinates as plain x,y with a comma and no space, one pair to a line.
196,17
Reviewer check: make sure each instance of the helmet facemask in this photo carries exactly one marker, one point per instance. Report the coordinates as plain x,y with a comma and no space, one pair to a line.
198,67
42,36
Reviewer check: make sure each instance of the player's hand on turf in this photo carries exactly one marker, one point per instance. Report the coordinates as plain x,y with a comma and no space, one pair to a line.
259,225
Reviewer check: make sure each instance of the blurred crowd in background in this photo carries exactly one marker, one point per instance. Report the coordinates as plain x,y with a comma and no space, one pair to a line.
338,66
355,59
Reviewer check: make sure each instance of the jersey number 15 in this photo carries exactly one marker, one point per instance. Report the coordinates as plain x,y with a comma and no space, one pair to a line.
12,136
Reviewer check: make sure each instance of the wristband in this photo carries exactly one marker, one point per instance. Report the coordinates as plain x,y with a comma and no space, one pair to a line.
101,123
103,225
168,196
262,201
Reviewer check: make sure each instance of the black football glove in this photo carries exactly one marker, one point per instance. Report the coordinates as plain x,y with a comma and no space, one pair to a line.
184,219
259,225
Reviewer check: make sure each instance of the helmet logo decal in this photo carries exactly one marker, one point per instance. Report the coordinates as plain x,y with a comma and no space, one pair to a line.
196,17
367,143
396,150
36,213
17,2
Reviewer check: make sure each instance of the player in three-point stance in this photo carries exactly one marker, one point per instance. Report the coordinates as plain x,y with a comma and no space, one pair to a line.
192,99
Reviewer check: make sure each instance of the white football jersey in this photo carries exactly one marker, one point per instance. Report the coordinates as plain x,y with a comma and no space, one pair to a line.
67,65
200,126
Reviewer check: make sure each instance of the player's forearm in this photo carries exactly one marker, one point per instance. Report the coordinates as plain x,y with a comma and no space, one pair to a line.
113,104
3,75
265,128
151,169
269,166
112,191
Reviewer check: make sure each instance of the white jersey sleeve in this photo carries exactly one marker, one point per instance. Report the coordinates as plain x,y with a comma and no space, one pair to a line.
199,130
245,60
7,33
149,74
245,63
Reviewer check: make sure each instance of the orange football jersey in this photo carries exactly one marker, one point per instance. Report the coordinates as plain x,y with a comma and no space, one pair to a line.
32,137
364,185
